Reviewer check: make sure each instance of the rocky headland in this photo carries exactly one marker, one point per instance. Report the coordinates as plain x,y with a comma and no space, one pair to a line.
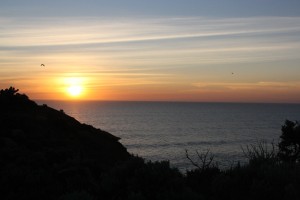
48,155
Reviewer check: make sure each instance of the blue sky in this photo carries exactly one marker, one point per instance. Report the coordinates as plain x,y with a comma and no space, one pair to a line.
235,50
121,8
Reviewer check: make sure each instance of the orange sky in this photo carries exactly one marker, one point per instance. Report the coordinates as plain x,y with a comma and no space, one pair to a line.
152,58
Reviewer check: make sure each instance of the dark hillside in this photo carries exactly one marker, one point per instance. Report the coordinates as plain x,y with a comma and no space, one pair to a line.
46,154
40,145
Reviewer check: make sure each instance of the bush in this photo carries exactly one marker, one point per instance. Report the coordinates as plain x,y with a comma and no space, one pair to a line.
261,153
11,99
289,146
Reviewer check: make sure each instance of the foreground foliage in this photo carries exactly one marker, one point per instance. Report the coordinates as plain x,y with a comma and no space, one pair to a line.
289,146
45,154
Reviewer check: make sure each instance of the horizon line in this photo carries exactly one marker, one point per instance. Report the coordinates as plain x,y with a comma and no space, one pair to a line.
165,101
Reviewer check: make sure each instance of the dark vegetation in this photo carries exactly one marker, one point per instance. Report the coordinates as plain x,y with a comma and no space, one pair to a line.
46,154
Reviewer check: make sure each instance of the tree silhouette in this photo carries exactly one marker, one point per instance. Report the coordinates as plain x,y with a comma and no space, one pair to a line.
11,99
11,91
289,146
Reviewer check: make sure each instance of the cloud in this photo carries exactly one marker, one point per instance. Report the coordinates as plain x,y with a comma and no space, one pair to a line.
154,52
152,41
221,86
51,31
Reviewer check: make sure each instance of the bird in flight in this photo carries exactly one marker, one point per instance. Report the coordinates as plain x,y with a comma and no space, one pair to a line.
42,65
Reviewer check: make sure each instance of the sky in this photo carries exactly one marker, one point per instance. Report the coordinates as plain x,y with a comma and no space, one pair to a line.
158,50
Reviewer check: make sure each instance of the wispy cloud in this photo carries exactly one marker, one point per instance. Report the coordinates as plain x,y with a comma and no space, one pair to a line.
154,51
215,86
153,41
33,32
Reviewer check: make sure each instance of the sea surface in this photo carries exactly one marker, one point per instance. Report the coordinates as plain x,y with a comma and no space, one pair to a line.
164,130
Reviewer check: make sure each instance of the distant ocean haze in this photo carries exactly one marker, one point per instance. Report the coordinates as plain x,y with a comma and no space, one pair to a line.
164,130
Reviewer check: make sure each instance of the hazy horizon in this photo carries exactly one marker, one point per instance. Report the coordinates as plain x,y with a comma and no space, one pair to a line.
147,101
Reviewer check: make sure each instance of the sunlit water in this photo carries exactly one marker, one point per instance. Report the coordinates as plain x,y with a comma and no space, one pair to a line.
164,130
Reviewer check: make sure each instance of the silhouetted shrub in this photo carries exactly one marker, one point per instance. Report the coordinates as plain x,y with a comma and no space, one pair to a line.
261,153
289,146
77,195
11,99
201,178
11,91
205,160
135,179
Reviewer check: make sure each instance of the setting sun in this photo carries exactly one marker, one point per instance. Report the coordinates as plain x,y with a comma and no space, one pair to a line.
74,86
75,90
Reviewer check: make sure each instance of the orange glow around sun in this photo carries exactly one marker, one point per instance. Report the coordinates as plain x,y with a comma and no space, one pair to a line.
74,86
75,90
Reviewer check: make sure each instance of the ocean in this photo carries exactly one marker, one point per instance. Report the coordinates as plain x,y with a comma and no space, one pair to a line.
164,130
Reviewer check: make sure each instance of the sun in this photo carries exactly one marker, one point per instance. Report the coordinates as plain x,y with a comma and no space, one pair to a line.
74,86
74,90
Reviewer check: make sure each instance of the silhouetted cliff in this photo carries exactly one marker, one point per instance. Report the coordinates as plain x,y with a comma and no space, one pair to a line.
30,128
46,154
40,145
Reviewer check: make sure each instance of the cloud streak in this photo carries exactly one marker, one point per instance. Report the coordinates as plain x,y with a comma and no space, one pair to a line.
210,40
18,32
154,51
247,86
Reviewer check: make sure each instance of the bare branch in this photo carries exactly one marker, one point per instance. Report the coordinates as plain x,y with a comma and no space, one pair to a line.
193,163
205,158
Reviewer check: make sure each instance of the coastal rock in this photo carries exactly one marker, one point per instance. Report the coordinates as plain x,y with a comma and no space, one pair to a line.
30,129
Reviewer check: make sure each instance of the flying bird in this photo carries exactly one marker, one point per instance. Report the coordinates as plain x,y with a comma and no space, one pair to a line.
42,65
